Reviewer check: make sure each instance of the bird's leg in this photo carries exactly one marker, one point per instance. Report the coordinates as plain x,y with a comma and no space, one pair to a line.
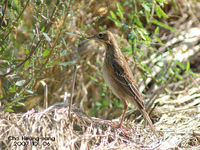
123,116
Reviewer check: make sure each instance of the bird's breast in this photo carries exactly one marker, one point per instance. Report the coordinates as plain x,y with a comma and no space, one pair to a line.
108,77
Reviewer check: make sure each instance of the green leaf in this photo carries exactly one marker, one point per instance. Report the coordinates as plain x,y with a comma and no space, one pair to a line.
163,25
9,110
160,12
138,22
26,64
91,77
46,52
42,30
157,30
9,104
180,65
170,51
188,65
46,36
146,68
44,17
120,8
20,83
132,35
67,63
54,63
159,41
120,11
142,33
20,104
34,32
171,71
39,19
164,1
146,7
68,33
179,76
12,90
29,91
101,28
63,53
120,15
98,104
102,93
193,74
174,5
27,51
113,15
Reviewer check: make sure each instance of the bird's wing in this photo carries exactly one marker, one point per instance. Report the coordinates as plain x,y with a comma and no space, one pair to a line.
124,76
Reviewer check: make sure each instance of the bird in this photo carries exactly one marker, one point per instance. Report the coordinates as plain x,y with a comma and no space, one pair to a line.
119,77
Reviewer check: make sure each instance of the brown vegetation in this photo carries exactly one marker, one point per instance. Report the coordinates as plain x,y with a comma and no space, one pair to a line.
174,106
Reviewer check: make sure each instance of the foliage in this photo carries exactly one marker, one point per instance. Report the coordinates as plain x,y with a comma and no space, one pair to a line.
32,37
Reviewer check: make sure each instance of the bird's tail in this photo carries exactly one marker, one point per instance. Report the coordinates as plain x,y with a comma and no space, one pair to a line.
143,111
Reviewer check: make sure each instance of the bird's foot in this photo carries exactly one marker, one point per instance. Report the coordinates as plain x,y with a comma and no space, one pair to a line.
122,128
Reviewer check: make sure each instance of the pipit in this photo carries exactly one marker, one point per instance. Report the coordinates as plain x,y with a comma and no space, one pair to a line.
119,77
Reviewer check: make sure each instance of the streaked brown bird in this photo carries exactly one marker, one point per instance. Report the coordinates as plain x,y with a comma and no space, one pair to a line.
119,77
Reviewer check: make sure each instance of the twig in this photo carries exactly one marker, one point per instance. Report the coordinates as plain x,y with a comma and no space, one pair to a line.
157,93
72,91
4,11
195,82
5,37
45,94
38,43
65,97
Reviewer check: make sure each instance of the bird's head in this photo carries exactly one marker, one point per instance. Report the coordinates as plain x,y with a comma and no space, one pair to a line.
104,37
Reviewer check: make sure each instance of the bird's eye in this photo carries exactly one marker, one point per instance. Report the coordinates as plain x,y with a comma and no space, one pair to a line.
100,35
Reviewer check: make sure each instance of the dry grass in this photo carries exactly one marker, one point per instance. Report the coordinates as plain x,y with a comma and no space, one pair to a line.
176,128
